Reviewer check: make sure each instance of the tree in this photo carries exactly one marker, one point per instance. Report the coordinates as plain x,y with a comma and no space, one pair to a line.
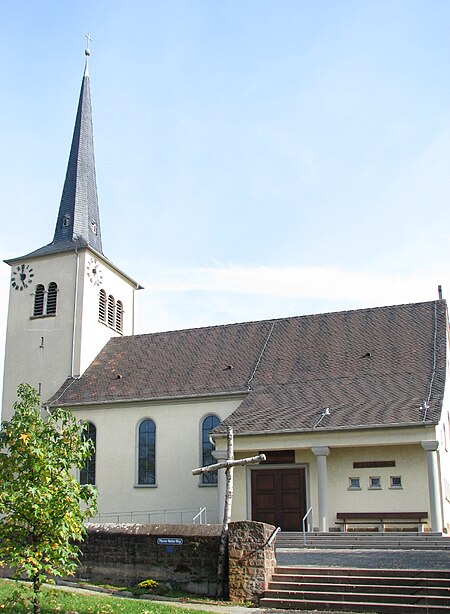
42,505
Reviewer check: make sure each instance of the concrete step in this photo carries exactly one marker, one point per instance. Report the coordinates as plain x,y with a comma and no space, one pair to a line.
413,590
352,606
358,596
366,534
363,546
353,573
353,580
385,541
390,591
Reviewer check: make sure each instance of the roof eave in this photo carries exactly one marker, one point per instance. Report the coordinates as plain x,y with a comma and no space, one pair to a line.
32,256
165,399
355,427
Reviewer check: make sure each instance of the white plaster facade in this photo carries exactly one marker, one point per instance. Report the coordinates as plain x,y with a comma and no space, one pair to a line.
178,451
44,351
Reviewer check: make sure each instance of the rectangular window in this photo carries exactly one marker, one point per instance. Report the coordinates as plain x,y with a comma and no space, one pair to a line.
354,484
396,481
375,482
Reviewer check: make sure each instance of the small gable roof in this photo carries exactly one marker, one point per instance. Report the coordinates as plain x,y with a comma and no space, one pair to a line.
383,366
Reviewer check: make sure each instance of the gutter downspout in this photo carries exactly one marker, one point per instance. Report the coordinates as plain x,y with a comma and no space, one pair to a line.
75,300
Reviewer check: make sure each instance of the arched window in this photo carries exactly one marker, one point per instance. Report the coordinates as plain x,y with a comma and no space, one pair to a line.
51,298
102,306
111,311
87,473
146,452
208,424
39,300
119,316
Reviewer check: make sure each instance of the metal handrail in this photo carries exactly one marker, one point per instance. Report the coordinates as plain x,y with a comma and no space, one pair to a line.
272,537
165,516
310,511
201,513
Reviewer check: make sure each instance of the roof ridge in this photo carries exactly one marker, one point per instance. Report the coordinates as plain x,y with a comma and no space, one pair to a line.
281,319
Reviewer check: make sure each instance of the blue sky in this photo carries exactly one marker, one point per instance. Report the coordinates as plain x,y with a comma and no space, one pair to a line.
255,159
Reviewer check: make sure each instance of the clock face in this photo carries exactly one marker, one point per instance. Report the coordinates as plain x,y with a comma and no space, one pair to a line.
22,277
94,272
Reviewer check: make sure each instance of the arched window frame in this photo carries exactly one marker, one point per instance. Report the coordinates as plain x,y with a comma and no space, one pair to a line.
102,306
39,299
45,301
207,424
111,311
146,453
88,472
52,298
119,316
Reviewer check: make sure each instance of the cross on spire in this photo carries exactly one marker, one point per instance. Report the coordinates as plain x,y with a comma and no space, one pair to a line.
88,40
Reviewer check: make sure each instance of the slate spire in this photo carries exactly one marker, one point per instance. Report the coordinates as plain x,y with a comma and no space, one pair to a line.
78,221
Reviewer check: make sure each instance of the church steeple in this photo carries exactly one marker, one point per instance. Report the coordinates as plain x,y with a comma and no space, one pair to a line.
78,218
66,299
78,221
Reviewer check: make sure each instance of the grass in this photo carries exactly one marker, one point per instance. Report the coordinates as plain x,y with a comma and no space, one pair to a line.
14,595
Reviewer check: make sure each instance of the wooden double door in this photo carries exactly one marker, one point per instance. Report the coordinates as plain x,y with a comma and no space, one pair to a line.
279,497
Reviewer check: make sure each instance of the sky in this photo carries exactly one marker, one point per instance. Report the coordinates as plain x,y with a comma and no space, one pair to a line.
255,158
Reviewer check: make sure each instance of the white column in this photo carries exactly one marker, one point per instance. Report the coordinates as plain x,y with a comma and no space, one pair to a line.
322,485
431,448
220,455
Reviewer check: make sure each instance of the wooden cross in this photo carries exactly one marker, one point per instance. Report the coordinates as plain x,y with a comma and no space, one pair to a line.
228,465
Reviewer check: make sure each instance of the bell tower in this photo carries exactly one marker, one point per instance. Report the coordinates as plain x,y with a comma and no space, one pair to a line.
66,299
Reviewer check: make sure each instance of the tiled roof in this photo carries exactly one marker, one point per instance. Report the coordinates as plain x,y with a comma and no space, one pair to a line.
369,367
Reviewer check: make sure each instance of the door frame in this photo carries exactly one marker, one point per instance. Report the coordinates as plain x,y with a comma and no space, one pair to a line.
275,466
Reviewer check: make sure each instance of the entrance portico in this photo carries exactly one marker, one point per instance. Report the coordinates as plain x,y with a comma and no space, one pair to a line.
380,473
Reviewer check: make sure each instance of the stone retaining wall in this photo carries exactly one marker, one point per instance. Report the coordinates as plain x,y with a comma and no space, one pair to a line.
129,553
184,556
251,560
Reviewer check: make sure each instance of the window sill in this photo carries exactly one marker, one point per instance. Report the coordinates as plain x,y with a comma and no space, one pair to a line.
207,485
145,486
395,487
354,488
374,488
111,327
44,315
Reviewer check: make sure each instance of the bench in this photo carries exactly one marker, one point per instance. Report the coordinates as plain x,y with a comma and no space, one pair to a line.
382,519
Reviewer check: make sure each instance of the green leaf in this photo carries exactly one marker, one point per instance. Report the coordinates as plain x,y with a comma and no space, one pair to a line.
42,505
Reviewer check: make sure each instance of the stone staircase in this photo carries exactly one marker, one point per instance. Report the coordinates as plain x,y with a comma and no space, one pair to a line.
383,541
390,591
392,573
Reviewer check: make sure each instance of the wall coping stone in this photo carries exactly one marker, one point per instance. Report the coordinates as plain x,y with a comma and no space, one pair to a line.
174,530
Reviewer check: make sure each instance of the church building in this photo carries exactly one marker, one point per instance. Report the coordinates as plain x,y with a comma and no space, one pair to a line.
349,408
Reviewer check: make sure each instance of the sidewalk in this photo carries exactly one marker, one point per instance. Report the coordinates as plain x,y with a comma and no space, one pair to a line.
198,606
226,608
